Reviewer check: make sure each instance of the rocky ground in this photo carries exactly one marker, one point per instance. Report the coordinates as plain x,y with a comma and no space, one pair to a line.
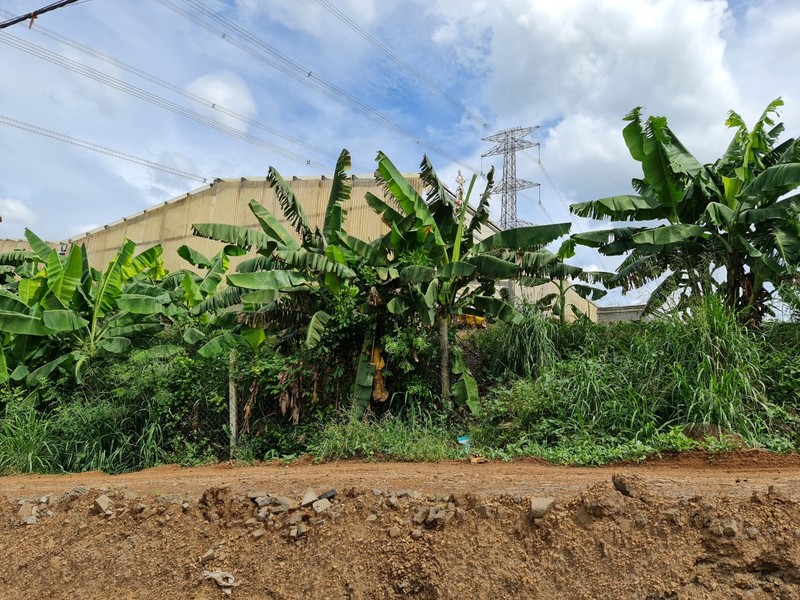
694,527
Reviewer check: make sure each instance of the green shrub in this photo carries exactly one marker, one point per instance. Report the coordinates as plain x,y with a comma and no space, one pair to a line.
26,443
391,437
522,349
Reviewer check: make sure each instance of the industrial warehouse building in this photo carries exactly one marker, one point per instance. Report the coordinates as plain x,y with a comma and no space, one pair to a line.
226,201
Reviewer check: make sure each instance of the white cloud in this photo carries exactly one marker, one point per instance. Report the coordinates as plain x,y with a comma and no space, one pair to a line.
17,214
228,91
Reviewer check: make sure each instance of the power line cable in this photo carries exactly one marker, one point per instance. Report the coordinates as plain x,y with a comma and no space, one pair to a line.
178,90
36,13
291,68
119,85
410,69
61,137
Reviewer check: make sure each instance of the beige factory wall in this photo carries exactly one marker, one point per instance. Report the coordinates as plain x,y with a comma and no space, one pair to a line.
225,201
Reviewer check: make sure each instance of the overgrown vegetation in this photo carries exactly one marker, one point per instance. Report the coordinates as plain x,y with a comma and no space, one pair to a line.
343,348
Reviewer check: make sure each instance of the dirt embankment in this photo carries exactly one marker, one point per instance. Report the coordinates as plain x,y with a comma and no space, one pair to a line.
689,528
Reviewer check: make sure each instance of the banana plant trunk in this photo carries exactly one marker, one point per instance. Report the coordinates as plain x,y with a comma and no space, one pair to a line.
444,355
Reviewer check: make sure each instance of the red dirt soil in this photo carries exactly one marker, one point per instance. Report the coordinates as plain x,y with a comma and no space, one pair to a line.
693,526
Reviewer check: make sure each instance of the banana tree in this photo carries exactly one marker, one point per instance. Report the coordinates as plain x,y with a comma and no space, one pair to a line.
545,266
303,274
444,268
66,313
732,216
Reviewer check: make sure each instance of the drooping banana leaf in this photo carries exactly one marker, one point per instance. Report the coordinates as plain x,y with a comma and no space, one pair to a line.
220,345
268,280
493,267
109,288
497,308
63,320
194,257
234,234
522,238
316,263
333,224
365,375
316,328
23,324
291,207
230,296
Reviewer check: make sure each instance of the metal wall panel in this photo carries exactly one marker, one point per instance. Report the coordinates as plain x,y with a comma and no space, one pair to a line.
226,201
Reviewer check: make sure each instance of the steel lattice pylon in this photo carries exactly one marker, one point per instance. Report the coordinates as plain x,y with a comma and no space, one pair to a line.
509,141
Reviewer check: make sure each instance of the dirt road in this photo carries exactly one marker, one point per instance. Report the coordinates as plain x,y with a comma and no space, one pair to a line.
697,526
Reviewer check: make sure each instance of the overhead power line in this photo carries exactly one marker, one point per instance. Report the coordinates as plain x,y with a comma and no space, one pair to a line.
36,13
407,67
117,84
178,90
257,48
101,149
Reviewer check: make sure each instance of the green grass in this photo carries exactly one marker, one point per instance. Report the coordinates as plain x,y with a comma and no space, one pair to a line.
391,437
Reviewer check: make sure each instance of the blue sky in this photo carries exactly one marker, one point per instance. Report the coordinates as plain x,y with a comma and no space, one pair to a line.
575,67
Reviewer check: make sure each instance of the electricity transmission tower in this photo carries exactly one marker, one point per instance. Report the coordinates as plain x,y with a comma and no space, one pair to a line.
509,141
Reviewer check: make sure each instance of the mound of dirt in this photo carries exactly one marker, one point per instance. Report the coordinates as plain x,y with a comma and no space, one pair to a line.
620,537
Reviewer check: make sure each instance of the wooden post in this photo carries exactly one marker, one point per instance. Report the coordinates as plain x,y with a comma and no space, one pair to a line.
233,404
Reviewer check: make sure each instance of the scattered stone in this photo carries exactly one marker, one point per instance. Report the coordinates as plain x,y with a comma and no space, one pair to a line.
461,514
371,517
582,515
516,499
409,494
258,533
209,555
395,532
101,504
377,492
752,532
417,534
296,518
320,506
31,520
540,506
185,506
254,496
74,493
147,513
284,502
46,499
127,495
393,502
309,498
624,485
485,511
436,518
625,525
730,529
26,510
329,495
420,516
640,520
165,499
358,504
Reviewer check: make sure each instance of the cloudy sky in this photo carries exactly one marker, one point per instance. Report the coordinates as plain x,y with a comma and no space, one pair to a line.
226,88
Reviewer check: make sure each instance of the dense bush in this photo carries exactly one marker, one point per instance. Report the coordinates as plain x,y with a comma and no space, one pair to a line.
579,393
702,373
